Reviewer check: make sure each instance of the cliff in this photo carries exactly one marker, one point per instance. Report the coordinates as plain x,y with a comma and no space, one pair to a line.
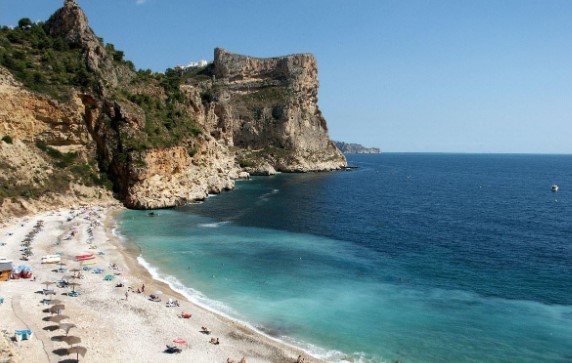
86,118
268,108
350,148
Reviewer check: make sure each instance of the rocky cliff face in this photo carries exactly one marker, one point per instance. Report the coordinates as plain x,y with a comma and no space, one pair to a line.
270,105
26,120
165,140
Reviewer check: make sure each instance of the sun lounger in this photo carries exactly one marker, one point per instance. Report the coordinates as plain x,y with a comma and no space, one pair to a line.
172,349
24,334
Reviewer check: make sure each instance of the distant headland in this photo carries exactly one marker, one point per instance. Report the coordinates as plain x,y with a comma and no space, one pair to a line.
350,148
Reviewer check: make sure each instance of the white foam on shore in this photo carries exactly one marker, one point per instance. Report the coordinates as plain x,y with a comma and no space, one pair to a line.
192,295
219,308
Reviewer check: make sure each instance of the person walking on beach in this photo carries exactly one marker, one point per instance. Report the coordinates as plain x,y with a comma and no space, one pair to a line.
126,295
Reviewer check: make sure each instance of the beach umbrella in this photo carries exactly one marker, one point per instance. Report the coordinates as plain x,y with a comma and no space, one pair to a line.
47,283
56,309
54,302
58,318
67,327
73,285
78,350
61,351
72,339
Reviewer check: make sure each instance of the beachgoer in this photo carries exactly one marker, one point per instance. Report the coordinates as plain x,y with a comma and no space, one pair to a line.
126,295
299,360
243,360
143,288
228,360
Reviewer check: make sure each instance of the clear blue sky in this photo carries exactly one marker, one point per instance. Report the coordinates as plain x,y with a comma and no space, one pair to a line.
443,75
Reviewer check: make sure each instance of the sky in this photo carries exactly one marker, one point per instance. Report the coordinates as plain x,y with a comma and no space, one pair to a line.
481,76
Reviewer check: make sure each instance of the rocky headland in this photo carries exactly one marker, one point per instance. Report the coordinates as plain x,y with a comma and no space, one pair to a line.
352,148
79,122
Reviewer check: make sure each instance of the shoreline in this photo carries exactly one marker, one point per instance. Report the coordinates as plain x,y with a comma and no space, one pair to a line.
106,315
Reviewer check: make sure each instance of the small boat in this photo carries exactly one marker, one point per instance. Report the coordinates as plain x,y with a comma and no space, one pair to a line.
554,188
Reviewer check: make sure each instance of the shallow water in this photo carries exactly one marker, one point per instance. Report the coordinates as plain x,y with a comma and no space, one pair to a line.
411,257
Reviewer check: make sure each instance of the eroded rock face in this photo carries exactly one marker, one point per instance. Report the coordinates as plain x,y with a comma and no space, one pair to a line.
261,113
31,117
271,104
28,118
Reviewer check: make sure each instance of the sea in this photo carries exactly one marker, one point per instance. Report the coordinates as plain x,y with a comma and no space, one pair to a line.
409,257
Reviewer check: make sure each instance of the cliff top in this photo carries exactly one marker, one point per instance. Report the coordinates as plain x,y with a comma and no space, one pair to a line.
234,66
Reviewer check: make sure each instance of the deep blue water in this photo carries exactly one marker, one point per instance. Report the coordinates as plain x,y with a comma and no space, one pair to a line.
410,257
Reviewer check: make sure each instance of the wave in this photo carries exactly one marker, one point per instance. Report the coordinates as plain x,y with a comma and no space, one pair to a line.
264,197
213,224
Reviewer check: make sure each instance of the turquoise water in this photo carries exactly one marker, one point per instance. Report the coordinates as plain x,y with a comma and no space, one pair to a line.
411,257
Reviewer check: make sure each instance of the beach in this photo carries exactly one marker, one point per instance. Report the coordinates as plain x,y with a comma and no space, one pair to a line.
115,320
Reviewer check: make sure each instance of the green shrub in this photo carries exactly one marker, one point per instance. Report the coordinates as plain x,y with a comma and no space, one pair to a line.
7,139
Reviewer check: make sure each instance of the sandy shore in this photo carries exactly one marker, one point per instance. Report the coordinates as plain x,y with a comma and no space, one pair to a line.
115,324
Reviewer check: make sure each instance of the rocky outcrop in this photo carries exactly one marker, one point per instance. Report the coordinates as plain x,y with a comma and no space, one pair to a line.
70,23
170,177
271,105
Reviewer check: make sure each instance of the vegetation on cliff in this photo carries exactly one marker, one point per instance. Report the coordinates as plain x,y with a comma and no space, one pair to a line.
43,63
94,120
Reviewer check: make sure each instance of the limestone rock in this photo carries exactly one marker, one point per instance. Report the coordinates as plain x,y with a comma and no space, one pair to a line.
271,103
255,116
